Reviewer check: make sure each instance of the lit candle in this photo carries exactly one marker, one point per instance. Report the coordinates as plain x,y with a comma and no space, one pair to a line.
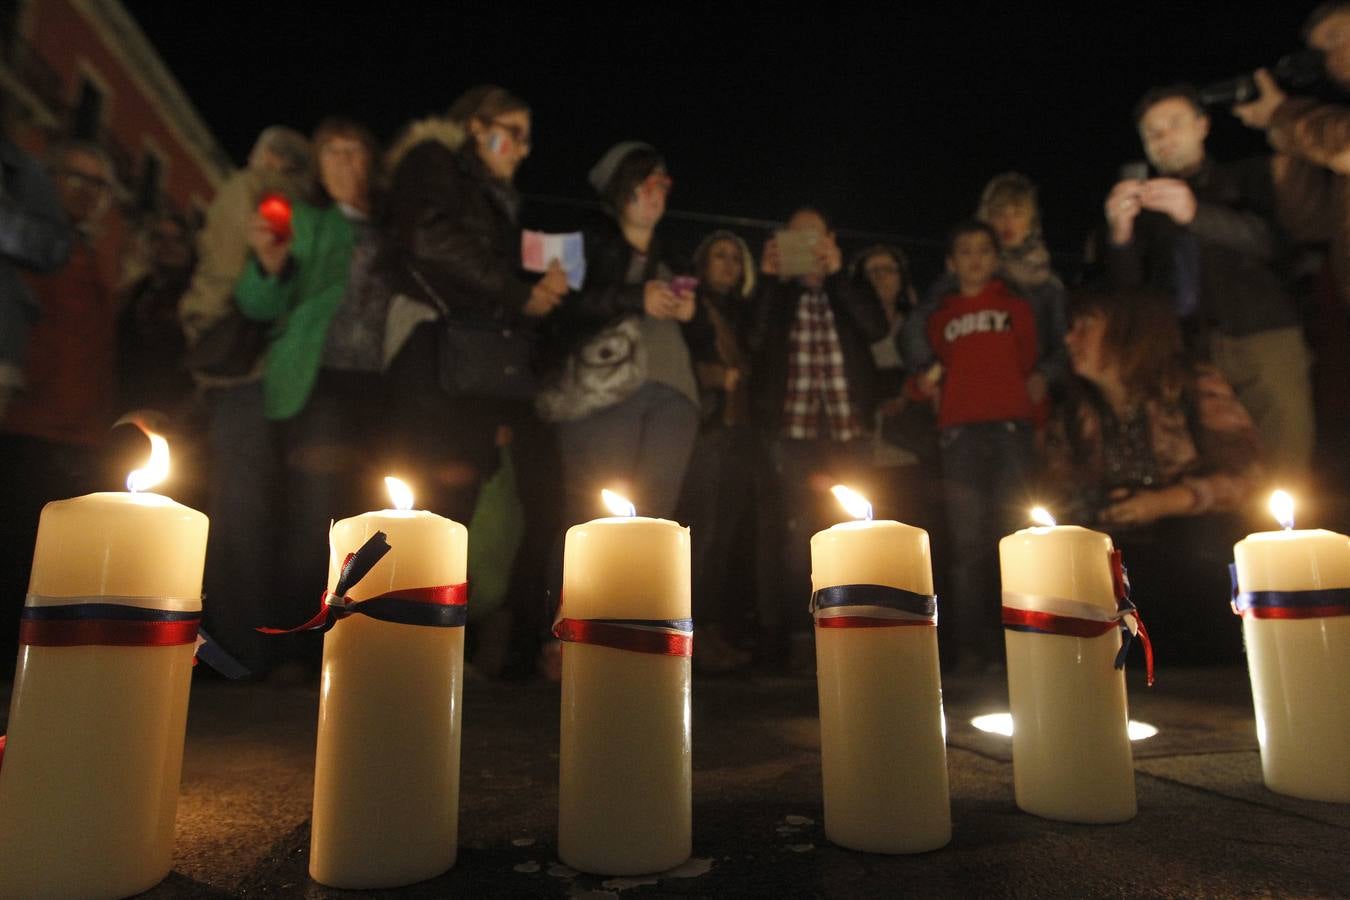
1294,598
882,736
386,772
89,784
1061,608
624,801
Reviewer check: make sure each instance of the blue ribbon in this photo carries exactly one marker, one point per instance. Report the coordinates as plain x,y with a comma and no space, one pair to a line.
874,595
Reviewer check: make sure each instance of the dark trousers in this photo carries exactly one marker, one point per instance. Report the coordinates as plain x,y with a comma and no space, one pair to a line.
985,470
718,504
803,472
239,582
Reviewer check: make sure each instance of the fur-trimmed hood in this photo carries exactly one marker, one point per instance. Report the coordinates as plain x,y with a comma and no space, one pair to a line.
434,128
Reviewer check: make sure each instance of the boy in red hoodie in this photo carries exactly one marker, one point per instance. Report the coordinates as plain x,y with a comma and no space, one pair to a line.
984,339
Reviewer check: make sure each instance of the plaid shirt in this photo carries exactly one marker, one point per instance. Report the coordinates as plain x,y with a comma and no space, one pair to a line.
817,388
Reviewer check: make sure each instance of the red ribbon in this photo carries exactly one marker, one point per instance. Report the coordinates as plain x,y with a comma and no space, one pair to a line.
867,622
1070,626
107,632
1294,612
621,637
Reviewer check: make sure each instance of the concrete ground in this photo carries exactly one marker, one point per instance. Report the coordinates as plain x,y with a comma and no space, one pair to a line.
1206,825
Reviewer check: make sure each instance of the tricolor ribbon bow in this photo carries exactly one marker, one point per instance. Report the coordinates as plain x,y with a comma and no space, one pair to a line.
1072,618
1314,604
441,606
871,606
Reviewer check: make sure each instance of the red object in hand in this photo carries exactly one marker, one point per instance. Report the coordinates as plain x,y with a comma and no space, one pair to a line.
276,209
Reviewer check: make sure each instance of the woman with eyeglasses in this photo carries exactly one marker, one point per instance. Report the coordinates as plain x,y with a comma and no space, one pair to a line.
458,334
626,399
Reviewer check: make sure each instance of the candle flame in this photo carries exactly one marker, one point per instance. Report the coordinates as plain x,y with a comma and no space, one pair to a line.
854,503
399,493
1041,516
1282,508
618,504
156,468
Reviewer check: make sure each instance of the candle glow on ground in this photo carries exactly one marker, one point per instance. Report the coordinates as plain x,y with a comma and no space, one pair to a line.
1002,723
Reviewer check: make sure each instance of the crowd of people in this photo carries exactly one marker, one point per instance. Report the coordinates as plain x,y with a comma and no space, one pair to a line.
345,312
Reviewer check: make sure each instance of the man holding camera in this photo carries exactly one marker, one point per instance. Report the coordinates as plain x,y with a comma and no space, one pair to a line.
1312,143
1202,233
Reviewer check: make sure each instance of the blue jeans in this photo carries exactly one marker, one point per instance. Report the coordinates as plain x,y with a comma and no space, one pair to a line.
985,469
640,445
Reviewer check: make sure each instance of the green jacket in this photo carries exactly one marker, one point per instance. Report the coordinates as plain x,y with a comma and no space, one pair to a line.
301,300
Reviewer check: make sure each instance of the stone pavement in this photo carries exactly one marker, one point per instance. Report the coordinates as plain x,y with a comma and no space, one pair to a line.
1206,825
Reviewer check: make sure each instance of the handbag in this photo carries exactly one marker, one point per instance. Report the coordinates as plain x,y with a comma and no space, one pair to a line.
486,360
607,369
230,348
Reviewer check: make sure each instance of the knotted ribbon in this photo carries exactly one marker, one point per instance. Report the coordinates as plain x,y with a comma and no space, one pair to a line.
1288,604
871,606
441,606
1073,618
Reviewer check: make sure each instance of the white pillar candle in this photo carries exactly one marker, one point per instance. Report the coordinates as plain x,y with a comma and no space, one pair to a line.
624,800
386,771
882,736
1071,747
89,784
1298,657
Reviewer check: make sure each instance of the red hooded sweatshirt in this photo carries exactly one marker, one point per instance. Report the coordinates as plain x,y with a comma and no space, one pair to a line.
987,345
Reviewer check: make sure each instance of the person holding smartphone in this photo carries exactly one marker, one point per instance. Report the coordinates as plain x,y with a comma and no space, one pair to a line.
813,395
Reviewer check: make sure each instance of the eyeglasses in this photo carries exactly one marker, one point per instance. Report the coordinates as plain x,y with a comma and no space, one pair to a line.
517,133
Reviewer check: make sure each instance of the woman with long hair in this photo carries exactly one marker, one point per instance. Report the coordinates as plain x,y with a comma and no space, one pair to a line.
1157,451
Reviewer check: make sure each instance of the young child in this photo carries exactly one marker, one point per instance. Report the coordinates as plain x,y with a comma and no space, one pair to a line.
984,340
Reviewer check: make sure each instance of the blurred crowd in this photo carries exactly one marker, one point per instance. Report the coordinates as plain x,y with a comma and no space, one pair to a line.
346,311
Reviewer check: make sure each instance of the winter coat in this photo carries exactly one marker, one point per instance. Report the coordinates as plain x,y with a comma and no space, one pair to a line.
1312,178
449,229
301,299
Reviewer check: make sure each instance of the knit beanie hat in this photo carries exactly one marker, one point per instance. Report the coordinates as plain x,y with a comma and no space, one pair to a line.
604,170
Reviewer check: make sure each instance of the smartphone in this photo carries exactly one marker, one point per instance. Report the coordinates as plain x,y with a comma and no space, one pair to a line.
797,253
682,284
276,209
1136,170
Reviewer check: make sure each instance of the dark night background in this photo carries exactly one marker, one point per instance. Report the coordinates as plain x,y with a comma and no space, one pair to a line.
891,120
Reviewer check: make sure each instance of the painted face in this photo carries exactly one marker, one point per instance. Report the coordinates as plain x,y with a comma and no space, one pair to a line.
973,260
723,268
1332,37
344,169
84,186
503,142
1174,136
1012,222
883,273
1085,341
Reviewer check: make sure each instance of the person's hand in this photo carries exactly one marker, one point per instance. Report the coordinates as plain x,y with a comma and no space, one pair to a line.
731,377
1145,506
658,301
1122,205
1171,196
270,250
1258,112
828,255
556,278
1036,388
546,293
768,261
685,306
